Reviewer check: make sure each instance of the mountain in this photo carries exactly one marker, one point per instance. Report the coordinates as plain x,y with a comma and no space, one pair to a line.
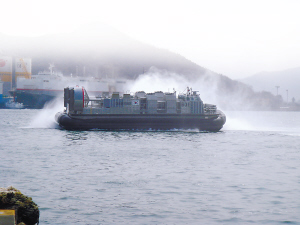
101,51
287,80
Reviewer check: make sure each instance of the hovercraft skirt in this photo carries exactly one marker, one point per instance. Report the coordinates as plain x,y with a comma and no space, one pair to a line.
212,122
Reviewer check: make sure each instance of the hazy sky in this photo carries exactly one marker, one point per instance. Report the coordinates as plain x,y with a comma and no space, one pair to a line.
236,38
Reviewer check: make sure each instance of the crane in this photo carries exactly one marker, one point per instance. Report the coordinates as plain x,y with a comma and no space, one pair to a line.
23,65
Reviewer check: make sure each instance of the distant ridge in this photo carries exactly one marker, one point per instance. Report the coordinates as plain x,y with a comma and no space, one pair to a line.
288,79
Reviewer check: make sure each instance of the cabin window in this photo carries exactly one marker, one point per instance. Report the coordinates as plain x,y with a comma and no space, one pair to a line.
161,105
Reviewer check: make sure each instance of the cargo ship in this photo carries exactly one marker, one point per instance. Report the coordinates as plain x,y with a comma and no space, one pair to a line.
141,111
44,87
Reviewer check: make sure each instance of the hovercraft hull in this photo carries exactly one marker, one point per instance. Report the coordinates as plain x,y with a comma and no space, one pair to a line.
212,122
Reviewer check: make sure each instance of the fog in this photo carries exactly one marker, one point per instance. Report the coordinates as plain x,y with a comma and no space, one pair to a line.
102,52
234,38
164,45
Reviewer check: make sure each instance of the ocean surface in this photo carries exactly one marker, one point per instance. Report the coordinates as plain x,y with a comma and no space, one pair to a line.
248,173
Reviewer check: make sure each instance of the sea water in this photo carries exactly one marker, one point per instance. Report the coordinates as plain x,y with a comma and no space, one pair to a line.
248,173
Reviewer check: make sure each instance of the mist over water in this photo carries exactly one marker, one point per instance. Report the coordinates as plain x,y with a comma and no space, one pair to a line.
265,121
159,80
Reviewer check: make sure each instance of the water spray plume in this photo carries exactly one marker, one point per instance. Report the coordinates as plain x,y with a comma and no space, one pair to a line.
45,117
166,81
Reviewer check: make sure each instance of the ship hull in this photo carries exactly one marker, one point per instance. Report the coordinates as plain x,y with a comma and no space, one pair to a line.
203,122
34,99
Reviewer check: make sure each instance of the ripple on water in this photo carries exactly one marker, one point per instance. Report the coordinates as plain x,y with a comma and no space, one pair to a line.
174,177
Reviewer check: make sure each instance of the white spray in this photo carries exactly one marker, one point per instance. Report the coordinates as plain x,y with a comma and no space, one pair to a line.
46,117
166,81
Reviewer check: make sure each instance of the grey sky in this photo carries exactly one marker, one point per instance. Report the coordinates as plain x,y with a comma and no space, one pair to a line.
236,38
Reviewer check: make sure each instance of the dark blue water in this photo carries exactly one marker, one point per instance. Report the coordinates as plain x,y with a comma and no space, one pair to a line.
246,174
